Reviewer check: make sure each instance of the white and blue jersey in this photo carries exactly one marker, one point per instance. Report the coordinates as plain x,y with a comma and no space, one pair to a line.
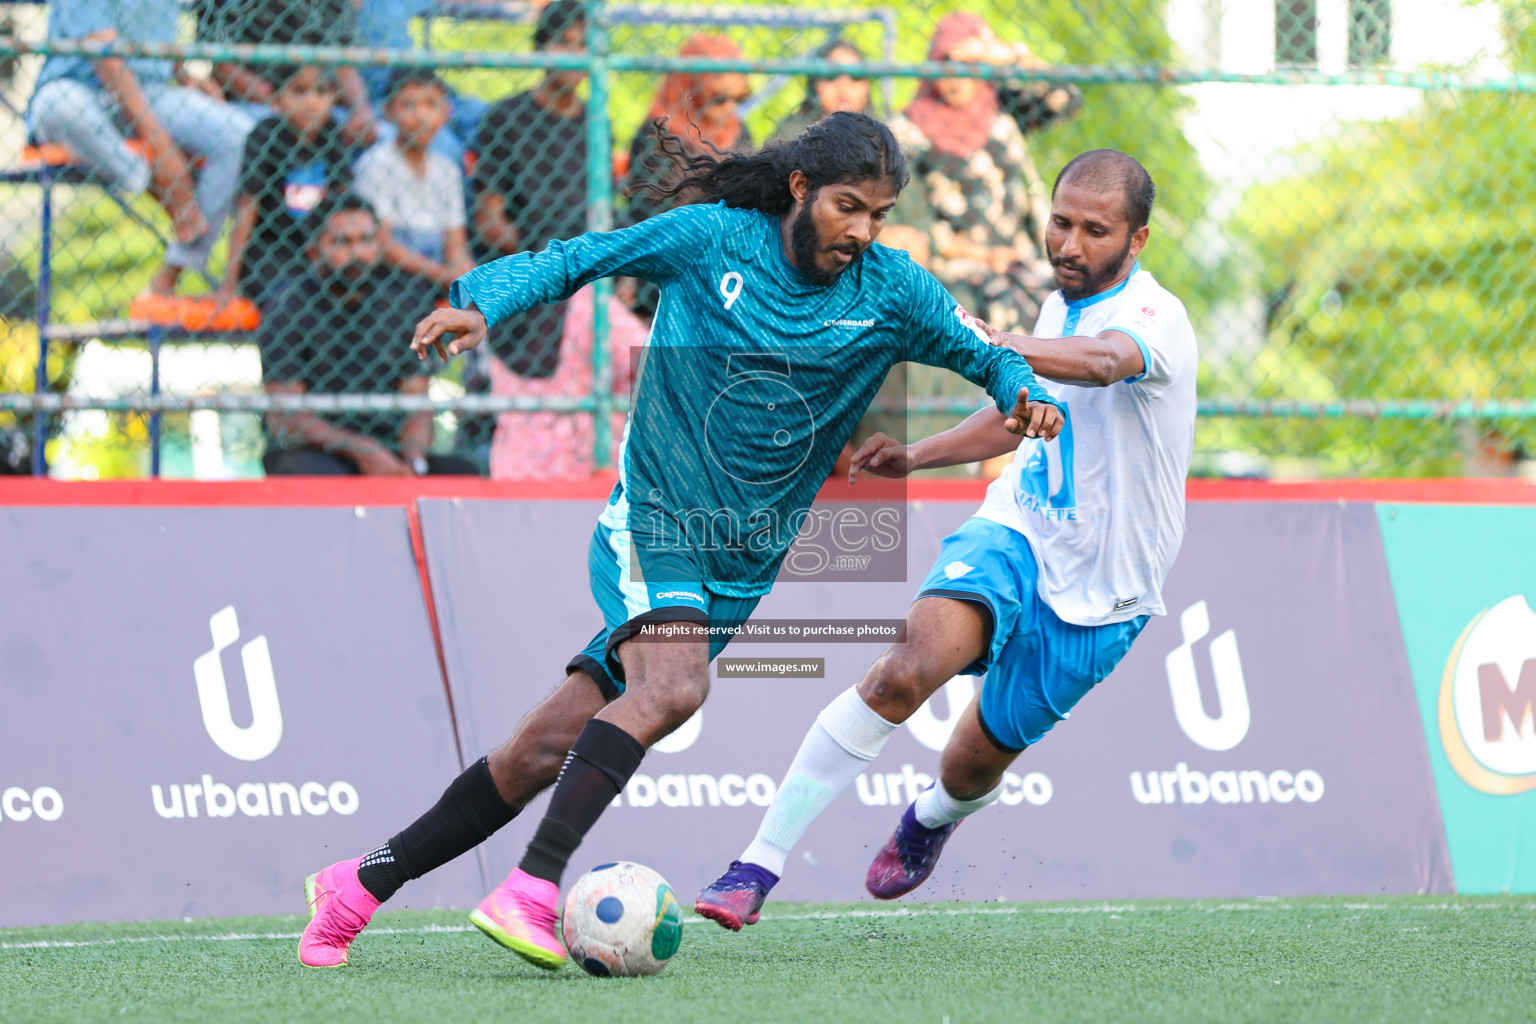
751,382
1103,506
1070,548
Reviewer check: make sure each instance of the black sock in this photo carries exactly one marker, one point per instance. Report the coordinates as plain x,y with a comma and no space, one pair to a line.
468,813
600,762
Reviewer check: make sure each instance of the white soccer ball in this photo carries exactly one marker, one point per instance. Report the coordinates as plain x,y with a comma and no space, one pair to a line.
622,920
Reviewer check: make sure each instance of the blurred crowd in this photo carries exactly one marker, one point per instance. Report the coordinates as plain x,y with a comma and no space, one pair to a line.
355,196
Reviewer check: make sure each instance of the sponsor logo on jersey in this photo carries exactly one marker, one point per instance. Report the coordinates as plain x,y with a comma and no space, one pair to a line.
847,323
954,570
1487,706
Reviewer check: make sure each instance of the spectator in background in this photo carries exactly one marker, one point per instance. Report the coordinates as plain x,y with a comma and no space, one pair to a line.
286,23
970,162
828,95
293,162
91,106
386,25
530,181
701,111
340,329
418,194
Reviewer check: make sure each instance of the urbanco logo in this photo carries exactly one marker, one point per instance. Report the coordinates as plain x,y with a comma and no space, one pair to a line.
1223,732
246,743
1487,707
1230,725
261,737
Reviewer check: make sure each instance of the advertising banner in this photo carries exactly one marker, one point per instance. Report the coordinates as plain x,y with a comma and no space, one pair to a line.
1465,578
1260,740
201,706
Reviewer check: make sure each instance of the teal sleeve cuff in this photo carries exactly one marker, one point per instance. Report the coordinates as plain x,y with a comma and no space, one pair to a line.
1146,354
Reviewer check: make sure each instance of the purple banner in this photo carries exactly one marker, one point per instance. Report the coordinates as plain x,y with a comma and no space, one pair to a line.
1262,739
201,706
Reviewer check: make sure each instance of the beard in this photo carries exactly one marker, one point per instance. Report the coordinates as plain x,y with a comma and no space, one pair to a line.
805,245
1094,277
351,280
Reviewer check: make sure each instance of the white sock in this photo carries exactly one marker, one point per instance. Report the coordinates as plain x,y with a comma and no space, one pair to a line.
848,734
935,807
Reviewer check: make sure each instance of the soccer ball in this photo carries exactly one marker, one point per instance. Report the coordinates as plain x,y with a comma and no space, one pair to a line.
622,920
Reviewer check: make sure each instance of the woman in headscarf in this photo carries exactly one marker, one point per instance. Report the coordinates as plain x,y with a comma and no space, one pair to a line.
828,94
971,166
702,111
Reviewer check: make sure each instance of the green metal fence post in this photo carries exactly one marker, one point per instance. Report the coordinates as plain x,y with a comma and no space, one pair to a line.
599,218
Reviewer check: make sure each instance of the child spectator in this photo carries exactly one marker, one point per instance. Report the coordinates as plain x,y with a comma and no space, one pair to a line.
286,23
87,104
418,193
292,163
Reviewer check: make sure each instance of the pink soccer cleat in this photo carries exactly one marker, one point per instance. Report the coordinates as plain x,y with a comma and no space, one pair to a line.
520,914
339,908
908,857
736,897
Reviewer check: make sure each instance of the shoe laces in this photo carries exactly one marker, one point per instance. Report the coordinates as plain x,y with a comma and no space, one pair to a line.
336,923
916,847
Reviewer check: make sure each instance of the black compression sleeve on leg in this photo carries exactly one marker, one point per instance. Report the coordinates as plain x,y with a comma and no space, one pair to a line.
599,765
468,813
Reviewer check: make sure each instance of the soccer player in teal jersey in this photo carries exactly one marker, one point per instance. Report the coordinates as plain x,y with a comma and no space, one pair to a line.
779,318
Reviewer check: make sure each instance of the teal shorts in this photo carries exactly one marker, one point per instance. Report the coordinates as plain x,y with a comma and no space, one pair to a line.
668,590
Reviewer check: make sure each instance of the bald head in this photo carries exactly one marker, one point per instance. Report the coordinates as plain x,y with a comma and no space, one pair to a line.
1109,171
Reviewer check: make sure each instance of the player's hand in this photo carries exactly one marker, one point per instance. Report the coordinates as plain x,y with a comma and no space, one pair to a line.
881,456
460,329
1034,419
1000,338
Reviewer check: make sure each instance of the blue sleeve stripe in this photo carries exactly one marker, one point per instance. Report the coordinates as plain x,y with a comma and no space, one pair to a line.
1146,355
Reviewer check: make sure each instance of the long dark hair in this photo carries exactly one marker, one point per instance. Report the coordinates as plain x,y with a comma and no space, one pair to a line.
841,147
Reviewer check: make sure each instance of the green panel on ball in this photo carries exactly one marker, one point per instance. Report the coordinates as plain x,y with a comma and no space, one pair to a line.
668,932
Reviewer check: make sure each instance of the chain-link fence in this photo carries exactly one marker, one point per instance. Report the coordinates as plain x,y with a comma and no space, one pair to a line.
222,218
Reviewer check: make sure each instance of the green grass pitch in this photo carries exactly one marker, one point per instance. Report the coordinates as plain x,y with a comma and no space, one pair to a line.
1456,959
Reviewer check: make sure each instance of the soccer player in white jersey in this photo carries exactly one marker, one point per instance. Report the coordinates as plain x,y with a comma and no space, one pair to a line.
1045,588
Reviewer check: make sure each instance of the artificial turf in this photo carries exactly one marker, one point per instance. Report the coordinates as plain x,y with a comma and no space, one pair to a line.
1377,959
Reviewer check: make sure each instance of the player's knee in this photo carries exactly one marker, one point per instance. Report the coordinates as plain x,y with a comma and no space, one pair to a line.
672,702
898,685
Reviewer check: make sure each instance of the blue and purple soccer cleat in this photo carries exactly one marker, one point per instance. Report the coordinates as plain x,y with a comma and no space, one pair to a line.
736,897
907,858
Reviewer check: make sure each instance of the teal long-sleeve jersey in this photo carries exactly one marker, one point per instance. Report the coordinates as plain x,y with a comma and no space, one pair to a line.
753,377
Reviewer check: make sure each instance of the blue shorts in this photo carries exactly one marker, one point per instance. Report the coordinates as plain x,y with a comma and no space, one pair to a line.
1037,667
668,590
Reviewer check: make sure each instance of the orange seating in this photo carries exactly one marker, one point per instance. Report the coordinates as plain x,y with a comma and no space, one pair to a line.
195,312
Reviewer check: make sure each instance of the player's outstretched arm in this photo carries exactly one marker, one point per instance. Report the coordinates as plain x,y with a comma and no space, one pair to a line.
657,249
982,436
941,334
1087,362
